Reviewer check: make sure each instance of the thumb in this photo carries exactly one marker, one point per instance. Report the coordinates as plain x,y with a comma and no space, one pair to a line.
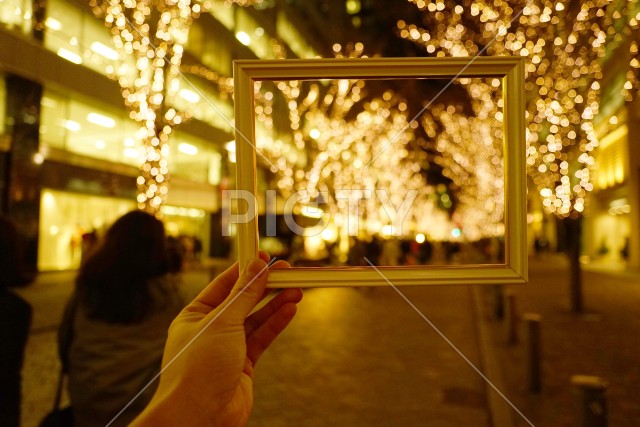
247,291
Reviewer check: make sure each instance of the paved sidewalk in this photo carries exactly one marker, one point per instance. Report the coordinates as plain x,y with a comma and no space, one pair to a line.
365,357
352,357
47,296
361,357
604,341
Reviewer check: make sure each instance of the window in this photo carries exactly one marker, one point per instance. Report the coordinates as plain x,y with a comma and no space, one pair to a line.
16,14
63,32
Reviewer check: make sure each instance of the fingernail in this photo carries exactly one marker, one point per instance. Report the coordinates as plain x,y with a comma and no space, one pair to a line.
255,266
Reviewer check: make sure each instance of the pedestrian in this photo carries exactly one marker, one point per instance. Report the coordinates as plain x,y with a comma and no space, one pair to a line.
117,321
390,252
15,320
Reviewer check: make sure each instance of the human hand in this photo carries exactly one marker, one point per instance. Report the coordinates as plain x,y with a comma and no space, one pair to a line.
213,346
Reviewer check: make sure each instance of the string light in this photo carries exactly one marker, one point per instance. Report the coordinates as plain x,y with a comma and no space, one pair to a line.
564,48
150,39
340,137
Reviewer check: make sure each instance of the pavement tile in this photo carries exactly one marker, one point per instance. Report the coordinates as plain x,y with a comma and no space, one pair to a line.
604,341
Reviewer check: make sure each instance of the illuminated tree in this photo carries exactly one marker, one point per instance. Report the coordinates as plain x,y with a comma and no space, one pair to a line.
339,137
469,150
564,44
149,37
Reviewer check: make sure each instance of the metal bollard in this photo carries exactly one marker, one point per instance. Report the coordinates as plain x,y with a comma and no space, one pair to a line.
534,353
590,401
511,318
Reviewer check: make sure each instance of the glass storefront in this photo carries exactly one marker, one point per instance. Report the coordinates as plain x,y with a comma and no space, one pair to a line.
16,14
71,222
94,130
79,37
204,103
611,234
68,222
88,128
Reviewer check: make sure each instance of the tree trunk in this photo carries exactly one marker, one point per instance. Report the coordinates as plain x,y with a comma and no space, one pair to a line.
573,236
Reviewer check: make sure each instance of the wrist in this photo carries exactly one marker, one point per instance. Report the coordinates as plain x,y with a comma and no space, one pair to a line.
171,407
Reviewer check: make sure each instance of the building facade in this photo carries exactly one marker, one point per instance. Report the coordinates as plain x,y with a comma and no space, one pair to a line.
68,153
69,157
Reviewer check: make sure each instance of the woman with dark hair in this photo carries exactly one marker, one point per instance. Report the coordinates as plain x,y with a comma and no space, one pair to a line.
15,319
118,320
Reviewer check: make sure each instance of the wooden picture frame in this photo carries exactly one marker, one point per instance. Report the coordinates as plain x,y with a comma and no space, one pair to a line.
511,72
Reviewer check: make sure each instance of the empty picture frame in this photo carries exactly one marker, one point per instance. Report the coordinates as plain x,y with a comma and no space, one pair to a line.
510,70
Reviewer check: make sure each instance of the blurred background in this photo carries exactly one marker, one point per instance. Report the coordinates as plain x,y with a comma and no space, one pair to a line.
109,106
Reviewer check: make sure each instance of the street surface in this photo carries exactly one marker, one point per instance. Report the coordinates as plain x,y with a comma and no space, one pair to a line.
365,356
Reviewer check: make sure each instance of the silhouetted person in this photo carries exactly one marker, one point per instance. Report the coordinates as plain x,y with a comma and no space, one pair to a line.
175,255
15,319
390,254
426,249
89,242
373,250
118,318
356,252
197,249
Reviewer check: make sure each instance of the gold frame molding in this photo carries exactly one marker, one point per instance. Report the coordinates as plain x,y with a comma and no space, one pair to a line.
509,69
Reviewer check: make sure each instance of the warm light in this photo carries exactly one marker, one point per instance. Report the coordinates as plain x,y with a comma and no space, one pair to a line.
100,120
314,133
53,24
104,50
69,56
311,211
420,238
388,230
189,96
150,80
180,211
243,38
563,68
132,153
72,126
48,102
231,149
353,6
329,234
186,148
100,144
